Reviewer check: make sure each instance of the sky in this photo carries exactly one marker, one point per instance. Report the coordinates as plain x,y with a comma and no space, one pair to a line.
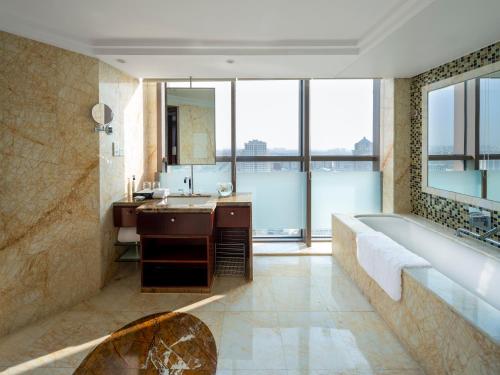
341,112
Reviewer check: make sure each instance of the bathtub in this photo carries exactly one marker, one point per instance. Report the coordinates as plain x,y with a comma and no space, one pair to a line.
449,315
476,271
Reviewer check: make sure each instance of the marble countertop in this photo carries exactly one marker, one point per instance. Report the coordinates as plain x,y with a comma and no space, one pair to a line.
160,205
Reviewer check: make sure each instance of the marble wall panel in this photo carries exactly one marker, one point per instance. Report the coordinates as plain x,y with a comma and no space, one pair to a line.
123,94
150,129
49,201
395,141
59,177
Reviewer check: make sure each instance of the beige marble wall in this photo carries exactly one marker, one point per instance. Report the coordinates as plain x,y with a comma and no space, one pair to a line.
123,94
150,129
395,144
434,334
59,178
49,201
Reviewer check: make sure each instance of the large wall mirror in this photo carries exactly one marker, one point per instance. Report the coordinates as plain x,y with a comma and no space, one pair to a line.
461,137
190,126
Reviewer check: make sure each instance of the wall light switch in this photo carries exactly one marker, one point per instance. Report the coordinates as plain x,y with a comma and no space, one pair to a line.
117,151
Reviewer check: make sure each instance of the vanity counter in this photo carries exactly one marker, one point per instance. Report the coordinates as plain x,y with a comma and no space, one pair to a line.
159,205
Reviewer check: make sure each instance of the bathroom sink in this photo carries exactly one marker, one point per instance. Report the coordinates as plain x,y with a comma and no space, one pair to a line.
188,200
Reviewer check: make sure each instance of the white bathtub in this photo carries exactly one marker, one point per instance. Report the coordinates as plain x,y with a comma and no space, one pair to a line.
476,271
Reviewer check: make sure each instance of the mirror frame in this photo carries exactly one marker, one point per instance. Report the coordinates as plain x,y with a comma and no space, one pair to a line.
105,107
462,198
178,132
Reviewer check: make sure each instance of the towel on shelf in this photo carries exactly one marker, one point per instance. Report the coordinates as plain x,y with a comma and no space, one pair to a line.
383,259
128,234
160,193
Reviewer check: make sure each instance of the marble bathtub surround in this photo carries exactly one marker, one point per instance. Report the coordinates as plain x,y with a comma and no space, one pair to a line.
162,343
445,209
300,315
437,334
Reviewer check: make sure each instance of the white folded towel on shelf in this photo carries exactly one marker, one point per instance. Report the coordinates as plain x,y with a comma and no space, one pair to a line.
160,193
383,259
128,234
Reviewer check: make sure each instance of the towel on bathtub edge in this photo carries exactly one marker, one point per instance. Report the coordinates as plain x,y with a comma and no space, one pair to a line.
383,259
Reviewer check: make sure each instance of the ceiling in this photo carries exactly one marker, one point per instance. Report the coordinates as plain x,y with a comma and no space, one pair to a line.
260,38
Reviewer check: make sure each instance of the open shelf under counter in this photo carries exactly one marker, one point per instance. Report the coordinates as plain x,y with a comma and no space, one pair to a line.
168,277
175,250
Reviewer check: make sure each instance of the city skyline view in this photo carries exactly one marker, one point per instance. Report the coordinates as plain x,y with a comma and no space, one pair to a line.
341,113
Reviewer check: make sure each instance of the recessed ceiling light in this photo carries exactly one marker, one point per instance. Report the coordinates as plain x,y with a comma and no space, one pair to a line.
121,61
230,61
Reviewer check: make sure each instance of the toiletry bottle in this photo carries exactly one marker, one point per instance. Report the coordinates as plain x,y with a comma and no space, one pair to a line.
133,183
129,188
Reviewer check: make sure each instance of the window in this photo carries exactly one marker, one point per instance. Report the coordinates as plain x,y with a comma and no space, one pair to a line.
342,117
267,118
271,158
267,133
344,130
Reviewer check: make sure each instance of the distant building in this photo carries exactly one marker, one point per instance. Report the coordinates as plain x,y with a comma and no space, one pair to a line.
255,148
363,147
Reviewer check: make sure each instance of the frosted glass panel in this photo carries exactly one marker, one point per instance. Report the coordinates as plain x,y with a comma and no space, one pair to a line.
174,179
494,185
206,177
463,182
342,192
278,201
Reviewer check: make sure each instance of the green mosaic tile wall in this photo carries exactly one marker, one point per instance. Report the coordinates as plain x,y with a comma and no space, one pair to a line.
441,210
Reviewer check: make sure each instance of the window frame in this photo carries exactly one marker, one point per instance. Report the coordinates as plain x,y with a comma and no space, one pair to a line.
304,158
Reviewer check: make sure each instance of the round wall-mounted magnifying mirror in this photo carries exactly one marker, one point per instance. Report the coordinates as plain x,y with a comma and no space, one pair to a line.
102,114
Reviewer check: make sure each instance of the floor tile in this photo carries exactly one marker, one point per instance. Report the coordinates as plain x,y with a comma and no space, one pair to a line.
23,370
292,248
282,266
374,340
251,372
300,315
339,293
251,341
297,294
239,295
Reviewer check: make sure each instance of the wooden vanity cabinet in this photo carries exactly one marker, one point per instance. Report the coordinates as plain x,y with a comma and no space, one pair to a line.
177,251
233,224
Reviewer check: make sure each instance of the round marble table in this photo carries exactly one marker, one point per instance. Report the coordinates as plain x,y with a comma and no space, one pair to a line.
166,343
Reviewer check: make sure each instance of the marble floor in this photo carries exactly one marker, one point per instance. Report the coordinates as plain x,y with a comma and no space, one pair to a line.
292,248
301,315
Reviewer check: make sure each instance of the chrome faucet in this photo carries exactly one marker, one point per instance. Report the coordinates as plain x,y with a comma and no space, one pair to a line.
189,181
480,219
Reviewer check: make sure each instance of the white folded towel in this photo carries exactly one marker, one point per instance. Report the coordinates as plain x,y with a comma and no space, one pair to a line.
128,234
383,259
160,193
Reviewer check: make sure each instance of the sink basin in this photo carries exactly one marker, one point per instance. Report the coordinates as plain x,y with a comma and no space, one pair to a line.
189,201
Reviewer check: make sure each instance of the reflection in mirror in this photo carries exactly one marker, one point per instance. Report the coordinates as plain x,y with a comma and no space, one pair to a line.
190,132
463,128
102,114
490,133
